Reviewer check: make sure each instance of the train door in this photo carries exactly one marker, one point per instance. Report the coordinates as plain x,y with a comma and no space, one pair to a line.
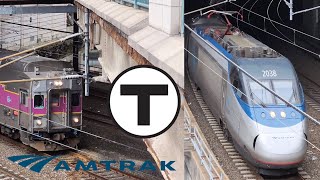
233,105
24,105
58,108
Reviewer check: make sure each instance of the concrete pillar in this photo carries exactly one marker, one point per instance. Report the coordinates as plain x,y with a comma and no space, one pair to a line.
165,15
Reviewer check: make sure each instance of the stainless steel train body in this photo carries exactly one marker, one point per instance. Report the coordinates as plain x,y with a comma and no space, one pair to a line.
266,131
31,111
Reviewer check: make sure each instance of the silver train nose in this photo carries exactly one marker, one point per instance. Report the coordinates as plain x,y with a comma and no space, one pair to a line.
280,150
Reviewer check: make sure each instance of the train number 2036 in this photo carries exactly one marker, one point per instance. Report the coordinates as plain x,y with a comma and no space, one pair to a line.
269,73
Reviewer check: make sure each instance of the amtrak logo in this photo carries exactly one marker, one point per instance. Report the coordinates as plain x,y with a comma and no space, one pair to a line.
38,162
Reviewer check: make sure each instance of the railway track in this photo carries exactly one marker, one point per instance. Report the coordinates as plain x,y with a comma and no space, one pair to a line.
96,116
7,174
312,90
71,158
227,144
99,93
244,169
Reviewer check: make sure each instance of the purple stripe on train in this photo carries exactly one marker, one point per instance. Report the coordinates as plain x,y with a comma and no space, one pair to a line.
12,100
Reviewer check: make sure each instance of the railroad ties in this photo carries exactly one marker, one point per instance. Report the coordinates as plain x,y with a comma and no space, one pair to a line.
8,174
72,158
237,159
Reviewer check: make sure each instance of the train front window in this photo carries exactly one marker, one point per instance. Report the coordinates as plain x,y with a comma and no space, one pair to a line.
38,101
259,94
75,99
285,89
55,100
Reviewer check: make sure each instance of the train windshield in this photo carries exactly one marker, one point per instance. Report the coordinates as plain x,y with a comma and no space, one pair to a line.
284,88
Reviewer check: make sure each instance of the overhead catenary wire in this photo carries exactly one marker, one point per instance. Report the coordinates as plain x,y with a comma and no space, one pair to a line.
268,9
250,13
94,135
66,146
294,44
278,11
207,7
40,79
254,79
288,27
264,30
37,27
15,60
252,100
26,32
41,46
231,2
241,10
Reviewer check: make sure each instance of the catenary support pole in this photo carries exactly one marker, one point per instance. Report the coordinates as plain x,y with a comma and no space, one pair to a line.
75,60
86,53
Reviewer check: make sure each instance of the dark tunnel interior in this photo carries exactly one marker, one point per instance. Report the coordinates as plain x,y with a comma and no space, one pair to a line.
278,11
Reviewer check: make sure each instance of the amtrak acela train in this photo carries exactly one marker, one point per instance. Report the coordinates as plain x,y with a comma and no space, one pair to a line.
265,130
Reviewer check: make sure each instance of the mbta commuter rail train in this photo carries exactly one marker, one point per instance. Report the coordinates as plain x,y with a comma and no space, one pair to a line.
34,110
266,131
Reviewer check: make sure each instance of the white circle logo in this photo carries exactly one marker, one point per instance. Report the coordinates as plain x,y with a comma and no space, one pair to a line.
144,101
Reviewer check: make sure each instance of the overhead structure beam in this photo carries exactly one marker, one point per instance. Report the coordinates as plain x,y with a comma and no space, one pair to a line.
208,7
291,13
37,9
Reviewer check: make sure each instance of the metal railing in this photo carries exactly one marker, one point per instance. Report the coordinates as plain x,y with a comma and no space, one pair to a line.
206,156
135,3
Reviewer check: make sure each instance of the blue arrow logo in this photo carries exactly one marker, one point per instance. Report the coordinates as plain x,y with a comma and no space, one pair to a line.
38,162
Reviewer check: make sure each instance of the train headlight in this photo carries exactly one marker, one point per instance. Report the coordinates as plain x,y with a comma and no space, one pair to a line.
293,114
76,120
263,115
39,122
283,114
58,83
272,114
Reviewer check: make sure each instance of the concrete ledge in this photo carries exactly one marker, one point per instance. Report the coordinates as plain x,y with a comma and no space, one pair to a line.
127,19
161,50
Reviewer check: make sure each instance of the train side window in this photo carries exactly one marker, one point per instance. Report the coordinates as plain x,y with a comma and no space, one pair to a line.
75,99
24,97
237,85
55,100
38,101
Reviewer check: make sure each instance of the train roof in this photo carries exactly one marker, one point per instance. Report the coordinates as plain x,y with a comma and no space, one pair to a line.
232,39
21,69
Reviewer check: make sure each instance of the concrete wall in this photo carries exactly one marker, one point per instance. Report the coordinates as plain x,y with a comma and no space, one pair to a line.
166,15
113,58
193,169
311,19
169,147
16,37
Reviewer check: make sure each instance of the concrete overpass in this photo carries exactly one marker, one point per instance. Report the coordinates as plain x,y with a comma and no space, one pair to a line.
128,33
